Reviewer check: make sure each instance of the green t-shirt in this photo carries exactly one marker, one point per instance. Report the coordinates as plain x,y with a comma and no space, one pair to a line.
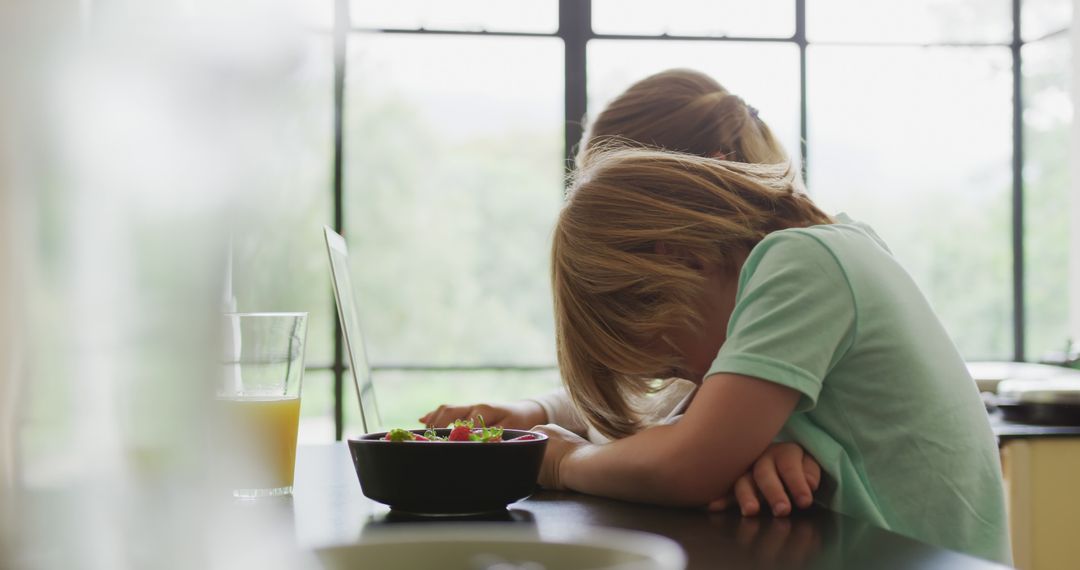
888,408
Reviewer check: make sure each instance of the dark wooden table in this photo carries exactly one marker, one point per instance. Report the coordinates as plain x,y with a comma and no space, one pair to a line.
329,508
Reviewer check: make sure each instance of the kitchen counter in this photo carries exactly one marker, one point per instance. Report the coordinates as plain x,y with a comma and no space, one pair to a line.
1005,430
329,508
1039,463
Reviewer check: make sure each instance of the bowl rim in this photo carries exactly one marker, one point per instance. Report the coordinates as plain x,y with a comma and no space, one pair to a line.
377,436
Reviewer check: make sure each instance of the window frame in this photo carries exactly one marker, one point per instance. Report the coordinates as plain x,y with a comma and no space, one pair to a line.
575,30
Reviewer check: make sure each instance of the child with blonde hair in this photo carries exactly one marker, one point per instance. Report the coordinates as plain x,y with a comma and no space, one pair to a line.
687,111
700,257
792,322
684,110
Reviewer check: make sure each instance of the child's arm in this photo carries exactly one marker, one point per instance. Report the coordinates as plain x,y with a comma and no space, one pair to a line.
784,474
729,424
512,415
554,407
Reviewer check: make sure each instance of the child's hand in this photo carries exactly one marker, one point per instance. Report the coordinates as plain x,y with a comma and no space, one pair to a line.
560,443
781,465
513,415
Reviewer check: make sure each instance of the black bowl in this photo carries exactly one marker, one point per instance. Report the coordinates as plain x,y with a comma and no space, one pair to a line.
447,478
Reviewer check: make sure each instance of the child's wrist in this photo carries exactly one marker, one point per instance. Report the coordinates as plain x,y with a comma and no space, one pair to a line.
570,467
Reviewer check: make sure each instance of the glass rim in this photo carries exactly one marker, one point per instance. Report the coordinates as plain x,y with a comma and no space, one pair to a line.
266,314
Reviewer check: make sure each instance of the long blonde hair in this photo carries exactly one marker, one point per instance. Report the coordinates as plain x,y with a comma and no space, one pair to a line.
632,219
686,111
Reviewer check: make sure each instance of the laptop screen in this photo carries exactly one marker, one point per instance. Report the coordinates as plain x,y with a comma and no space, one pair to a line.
350,330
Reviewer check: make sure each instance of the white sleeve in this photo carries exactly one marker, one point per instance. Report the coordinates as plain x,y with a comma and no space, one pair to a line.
669,405
663,408
560,410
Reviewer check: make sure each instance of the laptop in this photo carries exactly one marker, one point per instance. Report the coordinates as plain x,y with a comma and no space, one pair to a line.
350,330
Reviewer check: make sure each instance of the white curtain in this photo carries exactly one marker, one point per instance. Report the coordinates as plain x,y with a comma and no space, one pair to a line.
130,143
10,296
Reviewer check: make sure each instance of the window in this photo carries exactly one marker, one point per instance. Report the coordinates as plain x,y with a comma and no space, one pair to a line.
279,261
457,119
452,171
453,162
459,15
913,22
1047,122
916,141
716,18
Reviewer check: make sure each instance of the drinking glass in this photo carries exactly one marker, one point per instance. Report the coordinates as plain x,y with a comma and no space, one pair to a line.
257,406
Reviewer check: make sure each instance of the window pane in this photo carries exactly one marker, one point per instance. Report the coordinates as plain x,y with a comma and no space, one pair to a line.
404,396
315,14
538,16
765,75
767,18
317,407
920,148
279,260
1047,123
914,21
1041,17
453,181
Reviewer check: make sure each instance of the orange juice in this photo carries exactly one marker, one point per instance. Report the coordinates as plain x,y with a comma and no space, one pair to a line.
255,443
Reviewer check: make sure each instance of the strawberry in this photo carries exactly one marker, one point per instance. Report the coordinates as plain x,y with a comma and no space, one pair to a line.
460,433
418,437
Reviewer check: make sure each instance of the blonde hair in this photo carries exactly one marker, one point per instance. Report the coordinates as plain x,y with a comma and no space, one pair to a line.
686,111
620,277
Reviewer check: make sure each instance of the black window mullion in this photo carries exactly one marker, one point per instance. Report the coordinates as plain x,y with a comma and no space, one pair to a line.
800,40
575,28
341,27
1018,187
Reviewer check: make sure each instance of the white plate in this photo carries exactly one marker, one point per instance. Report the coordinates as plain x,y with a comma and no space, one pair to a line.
491,547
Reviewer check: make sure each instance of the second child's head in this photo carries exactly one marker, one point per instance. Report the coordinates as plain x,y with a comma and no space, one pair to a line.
640,235
685,111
